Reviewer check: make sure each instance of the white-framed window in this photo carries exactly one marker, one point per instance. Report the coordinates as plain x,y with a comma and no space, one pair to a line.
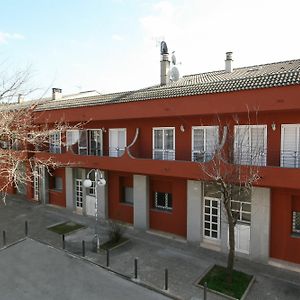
250,145
164,143
36,186
127,195
163,201
117,141
211,211
55,142
204,142
72,140
58,183
296,222
290,145
95,142
78,193
241,204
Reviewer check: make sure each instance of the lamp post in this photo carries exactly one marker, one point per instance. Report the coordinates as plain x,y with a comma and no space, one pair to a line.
99,181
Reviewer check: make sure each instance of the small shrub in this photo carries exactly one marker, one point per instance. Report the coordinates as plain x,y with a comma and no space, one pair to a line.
115,232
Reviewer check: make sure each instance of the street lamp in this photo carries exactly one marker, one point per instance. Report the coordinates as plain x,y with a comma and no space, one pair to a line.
99,181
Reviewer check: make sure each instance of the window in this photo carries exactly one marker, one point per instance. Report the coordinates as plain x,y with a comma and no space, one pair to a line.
241,204
250,144
58,183
163,201
36,176
164,143
79,193
55,142
290,144
72,140
117,142
296,222
204,142
127,195
95,142
82,146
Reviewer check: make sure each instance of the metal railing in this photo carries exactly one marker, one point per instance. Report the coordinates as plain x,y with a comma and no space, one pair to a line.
159,154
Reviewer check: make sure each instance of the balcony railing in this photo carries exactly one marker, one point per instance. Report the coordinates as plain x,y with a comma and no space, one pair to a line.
290,159
255,158
160,154
116,152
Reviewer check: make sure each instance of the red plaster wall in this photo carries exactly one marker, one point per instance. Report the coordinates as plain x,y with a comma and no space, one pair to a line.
57,197
174,221
116,209
282,245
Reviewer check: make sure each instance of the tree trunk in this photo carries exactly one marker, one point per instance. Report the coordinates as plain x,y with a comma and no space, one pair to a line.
231,254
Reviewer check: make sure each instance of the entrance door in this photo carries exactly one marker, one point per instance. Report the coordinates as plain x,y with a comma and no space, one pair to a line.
117,142
211,218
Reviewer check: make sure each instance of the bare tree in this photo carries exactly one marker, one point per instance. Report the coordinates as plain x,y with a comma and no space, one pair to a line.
20,136
232,171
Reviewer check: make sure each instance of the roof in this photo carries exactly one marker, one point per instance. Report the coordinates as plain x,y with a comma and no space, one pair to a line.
246,78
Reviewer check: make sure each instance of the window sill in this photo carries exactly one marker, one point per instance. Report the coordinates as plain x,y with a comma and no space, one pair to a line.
126,204
160,210
56,190
295,235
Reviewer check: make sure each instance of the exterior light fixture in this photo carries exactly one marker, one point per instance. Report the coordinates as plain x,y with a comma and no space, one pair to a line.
87,183
273,126
182,129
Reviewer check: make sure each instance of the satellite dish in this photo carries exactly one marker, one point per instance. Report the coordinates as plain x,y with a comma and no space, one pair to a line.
174,74
173,58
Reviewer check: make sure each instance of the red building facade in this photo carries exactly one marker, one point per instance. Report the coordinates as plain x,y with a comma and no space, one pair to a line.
149,145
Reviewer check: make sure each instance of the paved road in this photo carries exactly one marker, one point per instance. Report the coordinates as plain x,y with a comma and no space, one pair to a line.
184,261
32,270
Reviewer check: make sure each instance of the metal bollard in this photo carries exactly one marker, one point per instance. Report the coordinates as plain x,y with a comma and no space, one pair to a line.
26,228
166,279
4,237
63,242
136,268
205,291
83,248
107,258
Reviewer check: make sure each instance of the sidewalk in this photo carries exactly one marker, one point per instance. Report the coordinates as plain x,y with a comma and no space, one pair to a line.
185,263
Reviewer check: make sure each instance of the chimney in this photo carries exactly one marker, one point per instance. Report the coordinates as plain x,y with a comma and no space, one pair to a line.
21,98
56,93
164,64
228,62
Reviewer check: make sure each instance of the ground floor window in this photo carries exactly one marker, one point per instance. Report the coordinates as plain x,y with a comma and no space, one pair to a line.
79,193
127,195
163,201
296,222
212,217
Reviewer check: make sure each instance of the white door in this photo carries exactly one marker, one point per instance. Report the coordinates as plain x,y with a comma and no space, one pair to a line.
91,205
211,218
117,142
242,238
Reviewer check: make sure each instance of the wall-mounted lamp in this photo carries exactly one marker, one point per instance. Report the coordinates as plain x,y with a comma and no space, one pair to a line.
103,129
273,126
182,129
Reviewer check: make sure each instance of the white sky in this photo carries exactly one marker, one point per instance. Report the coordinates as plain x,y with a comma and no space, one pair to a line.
121,53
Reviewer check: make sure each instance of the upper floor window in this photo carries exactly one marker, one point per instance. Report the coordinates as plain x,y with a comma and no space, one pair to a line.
85,142
164,143
204,142
250,145
55,142
117,141
290,139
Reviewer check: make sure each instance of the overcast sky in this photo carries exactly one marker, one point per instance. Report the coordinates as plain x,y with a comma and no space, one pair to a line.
111,45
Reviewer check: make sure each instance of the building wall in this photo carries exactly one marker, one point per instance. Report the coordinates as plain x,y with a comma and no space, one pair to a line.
175,220
284,246
57,197
117,210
